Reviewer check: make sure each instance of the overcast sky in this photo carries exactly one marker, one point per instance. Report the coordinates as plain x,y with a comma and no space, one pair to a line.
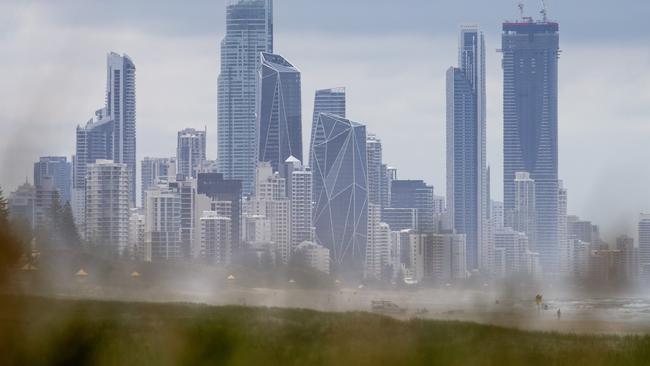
391,56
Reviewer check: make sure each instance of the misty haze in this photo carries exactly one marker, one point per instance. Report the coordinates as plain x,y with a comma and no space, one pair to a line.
301,182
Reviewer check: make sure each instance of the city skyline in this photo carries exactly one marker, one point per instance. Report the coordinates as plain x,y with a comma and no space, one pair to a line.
580,202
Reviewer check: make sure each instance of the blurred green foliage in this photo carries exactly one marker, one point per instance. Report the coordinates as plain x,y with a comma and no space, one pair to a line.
39,331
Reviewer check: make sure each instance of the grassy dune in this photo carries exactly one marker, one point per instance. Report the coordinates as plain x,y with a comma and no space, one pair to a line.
38,331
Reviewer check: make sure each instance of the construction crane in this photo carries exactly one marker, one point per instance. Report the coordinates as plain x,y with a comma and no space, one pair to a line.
544,12
520,5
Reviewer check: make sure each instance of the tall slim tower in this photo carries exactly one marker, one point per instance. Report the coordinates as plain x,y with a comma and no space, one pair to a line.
120,106
326,101
467,186
374,151
249,32
530,76
644,249
279,111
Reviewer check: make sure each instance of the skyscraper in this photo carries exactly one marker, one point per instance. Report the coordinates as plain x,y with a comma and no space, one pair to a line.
107,206
375,181
467,194
120,106
530,89
190,151
271,201
418,195
60,170
162,223
249,31
110,134
299,191
154,170
326,101
279,111
339,163
22,204
644,249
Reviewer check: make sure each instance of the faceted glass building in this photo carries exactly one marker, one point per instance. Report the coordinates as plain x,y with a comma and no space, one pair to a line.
530,124
340,190
279,111
327,101
466,165
249,31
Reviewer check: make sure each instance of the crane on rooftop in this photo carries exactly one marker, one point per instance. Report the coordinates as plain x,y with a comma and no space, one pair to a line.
544,11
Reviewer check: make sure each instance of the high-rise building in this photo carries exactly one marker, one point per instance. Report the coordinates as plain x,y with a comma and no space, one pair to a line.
47,198
249,32
155,170
467,195
437,258
216,238
60,170
299,191
524,212
330,101
217,188
378,248
515,246
110,134
120,106
279,111
583,230
530,121
563,230
629,258
190,151
644,249
190,212
271,202
418,195
107,206
162,209
374,151
22,204
340,190
136,247
316,256
400,218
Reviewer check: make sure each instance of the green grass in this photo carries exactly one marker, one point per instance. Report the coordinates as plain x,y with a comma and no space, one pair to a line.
39,331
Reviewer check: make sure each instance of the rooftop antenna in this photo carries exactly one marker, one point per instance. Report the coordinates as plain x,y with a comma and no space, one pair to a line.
520,5
544,11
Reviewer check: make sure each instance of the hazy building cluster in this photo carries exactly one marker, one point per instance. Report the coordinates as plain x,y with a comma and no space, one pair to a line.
339,207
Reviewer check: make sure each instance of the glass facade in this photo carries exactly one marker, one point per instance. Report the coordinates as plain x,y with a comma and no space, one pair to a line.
530,121
340,190
279,111
467,194
327,101
249,32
